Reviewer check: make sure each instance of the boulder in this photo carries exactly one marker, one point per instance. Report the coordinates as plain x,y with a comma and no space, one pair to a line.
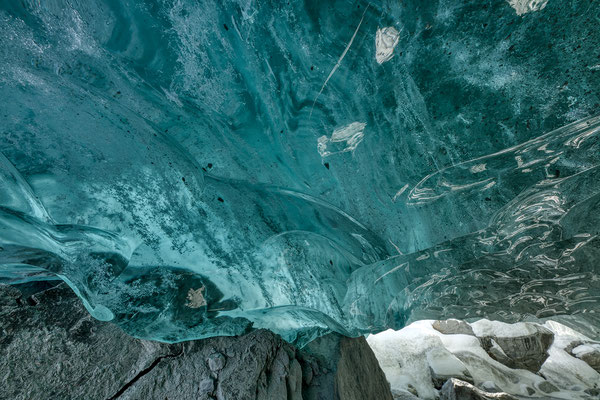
589,353
52,348
453,327
347,369
522,345
455,389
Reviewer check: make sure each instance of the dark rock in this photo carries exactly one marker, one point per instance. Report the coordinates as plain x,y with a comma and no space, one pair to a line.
294,381
523,352
207,386
530,390
348,370
307,373
403,395
455,389
489,386
412,390
588,352
216,362
272,381
547,387
496,352
453,327
55,350
572,345
593,392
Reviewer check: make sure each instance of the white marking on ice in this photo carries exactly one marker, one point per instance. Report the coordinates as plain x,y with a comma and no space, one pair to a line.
337,64
386,40
172,96
396,247
270,69
236,28
396,268
399,192
527,6
352,134
477,168
519,161
489,185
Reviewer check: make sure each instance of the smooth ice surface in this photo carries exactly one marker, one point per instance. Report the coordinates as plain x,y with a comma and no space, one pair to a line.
198,168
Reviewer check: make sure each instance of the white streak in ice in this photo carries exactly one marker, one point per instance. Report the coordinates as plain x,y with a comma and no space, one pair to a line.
337,64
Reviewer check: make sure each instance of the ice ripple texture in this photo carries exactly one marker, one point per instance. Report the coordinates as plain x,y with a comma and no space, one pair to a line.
201,168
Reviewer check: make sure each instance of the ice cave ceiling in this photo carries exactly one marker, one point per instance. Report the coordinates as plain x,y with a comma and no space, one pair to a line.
194,168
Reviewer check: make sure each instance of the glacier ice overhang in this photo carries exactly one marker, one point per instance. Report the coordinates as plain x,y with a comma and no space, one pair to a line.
166,159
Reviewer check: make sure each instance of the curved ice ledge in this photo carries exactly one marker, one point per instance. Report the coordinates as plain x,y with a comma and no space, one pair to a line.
277,259
194,169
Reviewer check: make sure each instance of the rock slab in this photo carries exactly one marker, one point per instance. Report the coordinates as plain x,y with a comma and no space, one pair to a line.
50,348
455,389
527,351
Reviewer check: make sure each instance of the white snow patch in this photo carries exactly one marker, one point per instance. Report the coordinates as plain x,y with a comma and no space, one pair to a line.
567,372
402,356
584,349
408,356
485,327
563,334
444,363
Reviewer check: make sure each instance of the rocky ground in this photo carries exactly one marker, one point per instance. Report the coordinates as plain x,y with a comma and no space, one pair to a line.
50,348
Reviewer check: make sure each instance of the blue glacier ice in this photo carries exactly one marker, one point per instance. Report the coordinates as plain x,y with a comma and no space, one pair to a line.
194,168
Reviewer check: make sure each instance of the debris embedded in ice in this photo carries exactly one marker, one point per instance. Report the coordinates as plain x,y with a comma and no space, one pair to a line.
386,39
196,298
342,140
